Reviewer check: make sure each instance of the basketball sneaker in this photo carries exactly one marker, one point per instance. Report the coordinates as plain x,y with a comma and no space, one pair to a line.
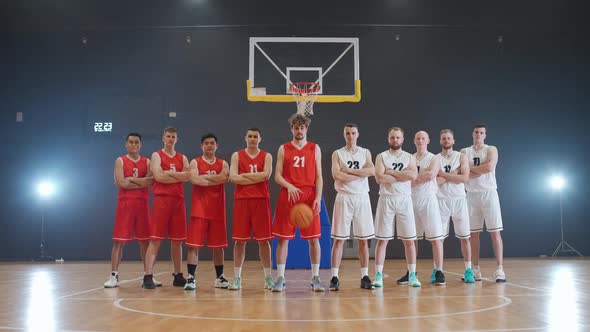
500,276
366,283
334,284
475,273
378,280
404,280
179,280
236,284
221,282
279,284
191,283
433,276
439,278
413,280
148,282
157,282
268,282
316,284
468,277
112,282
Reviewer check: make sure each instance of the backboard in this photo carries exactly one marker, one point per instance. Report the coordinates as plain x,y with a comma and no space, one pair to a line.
277,62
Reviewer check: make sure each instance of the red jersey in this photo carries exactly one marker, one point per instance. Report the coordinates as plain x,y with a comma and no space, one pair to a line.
136,169
247,164
169,164
299,164
208,202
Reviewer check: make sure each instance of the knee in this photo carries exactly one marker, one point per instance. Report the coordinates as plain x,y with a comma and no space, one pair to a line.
338,243
496,236
408,244
314,243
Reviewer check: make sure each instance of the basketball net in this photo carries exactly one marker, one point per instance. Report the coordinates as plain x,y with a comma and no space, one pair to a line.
305,94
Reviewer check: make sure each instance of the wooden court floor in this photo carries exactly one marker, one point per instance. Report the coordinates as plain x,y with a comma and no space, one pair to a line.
540,295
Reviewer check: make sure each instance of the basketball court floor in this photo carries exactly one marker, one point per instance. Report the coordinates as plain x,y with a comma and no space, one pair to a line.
540,295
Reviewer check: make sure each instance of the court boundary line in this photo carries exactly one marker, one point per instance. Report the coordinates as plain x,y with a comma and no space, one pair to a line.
507,301
502,283
97,288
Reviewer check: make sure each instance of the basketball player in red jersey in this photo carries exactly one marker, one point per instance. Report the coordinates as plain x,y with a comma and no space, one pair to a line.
132,219
170,169
250,170
299,173
208,175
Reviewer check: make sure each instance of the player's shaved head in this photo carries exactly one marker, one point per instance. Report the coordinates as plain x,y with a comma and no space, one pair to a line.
421,133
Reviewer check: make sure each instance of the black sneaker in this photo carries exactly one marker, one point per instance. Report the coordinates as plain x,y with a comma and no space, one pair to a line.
404,280
148,282
334,284
179,280
439,278
366,283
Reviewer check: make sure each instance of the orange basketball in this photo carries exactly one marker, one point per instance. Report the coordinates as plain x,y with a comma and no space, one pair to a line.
301,215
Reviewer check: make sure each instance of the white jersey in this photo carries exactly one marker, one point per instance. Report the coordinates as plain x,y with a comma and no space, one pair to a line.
427,188
356,160
487,181
398,162
449,165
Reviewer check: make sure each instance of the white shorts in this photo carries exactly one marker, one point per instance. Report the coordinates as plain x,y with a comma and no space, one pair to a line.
427,215
455,208
484,207
355,209
396,208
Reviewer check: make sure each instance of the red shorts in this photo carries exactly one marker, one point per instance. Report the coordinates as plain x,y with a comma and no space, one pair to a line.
252,215
283,229
212,231
132,220
168,218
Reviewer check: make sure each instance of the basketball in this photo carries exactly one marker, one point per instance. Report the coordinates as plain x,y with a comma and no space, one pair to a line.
301,215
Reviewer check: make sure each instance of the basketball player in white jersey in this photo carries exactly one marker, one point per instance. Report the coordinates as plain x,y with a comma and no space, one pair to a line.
395,170
426,210
351,168
454,171
482,199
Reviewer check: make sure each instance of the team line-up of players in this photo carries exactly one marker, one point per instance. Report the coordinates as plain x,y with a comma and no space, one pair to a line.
419,195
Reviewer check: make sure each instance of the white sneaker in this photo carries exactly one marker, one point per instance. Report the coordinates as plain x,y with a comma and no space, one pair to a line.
112,282
268,283
191,284
221,282
236,284
477,275
500,276
316,284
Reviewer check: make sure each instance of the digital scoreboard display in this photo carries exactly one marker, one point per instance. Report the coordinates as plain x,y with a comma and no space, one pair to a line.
103,127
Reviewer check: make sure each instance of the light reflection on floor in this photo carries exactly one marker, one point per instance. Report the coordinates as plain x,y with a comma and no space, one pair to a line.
40,311
562,306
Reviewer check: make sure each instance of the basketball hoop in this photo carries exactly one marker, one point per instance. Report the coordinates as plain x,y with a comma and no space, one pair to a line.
305,94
